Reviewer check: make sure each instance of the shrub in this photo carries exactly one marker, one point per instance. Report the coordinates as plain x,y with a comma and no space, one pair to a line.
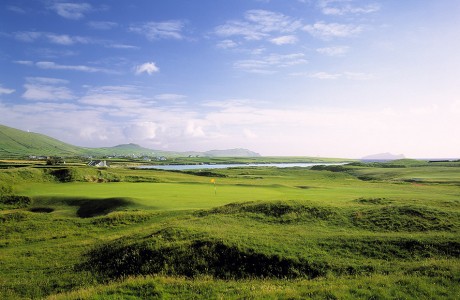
332,168
64,175
15,200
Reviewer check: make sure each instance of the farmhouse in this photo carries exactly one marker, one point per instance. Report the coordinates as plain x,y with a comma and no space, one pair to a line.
98,163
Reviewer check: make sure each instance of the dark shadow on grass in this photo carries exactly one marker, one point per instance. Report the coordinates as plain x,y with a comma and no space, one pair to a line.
192,258
87,207
97,207
41,209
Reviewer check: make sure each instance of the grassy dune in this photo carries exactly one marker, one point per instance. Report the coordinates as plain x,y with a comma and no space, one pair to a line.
355,232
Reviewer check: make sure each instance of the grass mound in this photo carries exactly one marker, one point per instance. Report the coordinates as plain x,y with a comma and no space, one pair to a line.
119,218
14,201
276,211
13,217
192,258
391,249
373,201
181,252
405,218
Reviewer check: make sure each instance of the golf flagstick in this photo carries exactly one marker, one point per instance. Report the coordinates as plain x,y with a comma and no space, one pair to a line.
213,181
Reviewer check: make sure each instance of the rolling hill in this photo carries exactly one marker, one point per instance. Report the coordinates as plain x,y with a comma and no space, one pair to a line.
383,156
15,143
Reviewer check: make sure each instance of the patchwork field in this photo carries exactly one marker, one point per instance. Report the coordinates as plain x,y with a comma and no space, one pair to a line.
359,231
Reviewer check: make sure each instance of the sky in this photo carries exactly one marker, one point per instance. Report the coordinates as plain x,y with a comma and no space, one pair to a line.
329,78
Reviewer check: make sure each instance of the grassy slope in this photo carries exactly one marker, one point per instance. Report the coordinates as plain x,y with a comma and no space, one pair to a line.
16,142
384,238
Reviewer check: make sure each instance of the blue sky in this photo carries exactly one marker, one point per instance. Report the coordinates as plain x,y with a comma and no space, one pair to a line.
336,78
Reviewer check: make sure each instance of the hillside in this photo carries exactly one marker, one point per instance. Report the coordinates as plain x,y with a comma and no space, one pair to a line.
17,143
383,156
126,149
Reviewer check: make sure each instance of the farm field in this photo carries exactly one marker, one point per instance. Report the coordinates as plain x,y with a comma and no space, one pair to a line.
359,231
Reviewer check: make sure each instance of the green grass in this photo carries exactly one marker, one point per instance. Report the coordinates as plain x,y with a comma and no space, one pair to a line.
262,233
17,143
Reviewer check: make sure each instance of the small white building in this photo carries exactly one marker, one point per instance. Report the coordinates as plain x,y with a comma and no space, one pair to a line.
98,164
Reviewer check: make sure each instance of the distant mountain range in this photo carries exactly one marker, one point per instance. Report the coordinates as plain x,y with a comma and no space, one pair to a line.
18,143
383,156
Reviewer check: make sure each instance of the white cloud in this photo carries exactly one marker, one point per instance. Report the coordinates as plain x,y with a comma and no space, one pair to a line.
328,31
102,25
16,9
44,88
121,46
325,75
27,36
170,97
54,52
333,51
44,92
148,67
115,97
140,131
455,107
46,80
5,91
24,62
60,39
193,129
72,11
258,24
160,30
358,76
345,7
269,64
231,103
64,39
227,44
285,39
241,123
82,68
249,134
332,76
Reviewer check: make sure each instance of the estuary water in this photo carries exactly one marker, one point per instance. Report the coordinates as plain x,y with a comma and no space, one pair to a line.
225,166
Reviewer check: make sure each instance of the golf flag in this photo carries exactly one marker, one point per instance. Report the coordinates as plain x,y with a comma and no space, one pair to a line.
213,181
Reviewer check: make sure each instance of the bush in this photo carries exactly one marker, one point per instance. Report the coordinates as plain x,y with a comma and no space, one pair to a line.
332,168
64,175
15,200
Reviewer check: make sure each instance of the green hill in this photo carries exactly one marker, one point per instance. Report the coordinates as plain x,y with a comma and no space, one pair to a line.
15,143
127,149
18,143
